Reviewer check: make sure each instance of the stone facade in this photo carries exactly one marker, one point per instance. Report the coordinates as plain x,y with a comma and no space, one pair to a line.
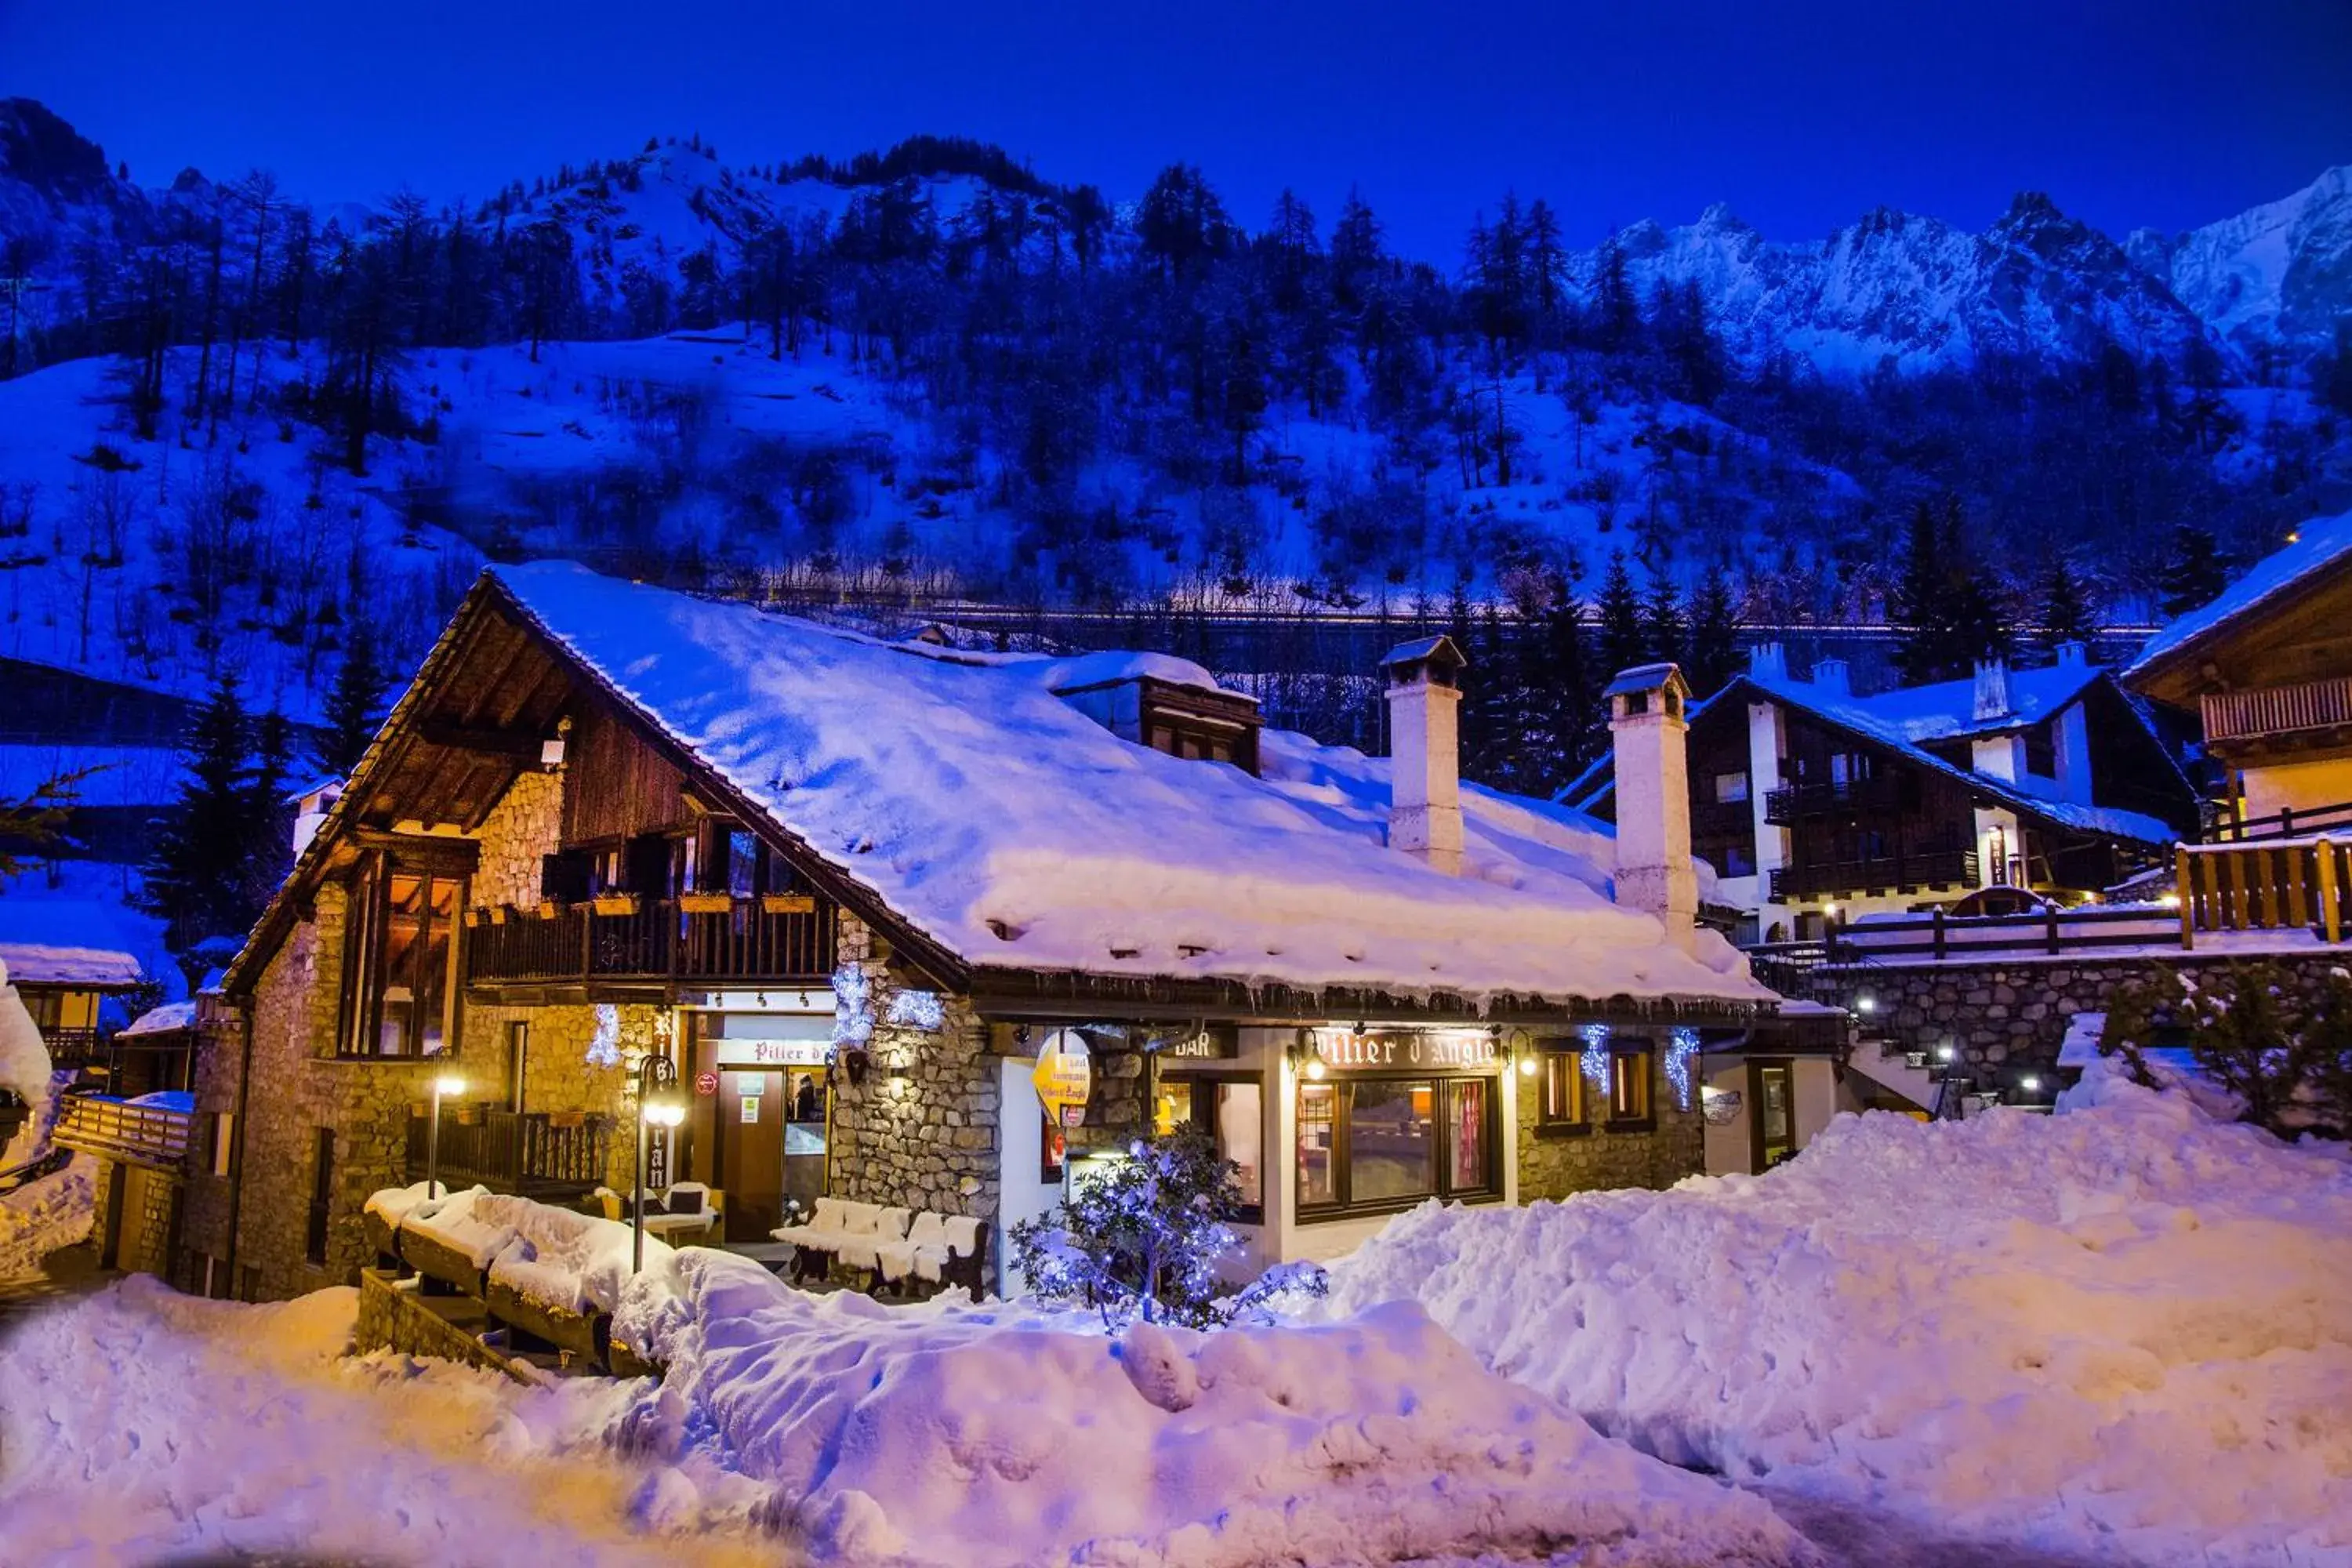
1554,1165
526,826
2008,1015
557,1074
394,1316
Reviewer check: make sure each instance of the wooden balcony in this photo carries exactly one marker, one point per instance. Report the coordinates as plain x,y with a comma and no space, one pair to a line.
2269,712
656,940
74,1048
536,1154
1841,879
149,1135
1887,792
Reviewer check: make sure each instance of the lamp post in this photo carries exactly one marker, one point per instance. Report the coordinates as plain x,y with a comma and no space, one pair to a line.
446,1084
660,1104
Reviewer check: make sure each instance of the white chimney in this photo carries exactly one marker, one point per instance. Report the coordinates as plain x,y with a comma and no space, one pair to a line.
1424,696
1992,689
1830,678
310,808
1766,661
1650,735
2073,656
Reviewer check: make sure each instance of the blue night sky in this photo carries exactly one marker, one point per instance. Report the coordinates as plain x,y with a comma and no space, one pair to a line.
2158,113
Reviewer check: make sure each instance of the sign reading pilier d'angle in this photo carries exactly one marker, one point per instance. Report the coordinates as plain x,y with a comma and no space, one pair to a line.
1065,1076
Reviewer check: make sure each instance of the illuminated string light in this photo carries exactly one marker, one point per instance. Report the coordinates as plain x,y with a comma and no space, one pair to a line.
916,1009
605,1044
1594,1058
1682,1044
853,1006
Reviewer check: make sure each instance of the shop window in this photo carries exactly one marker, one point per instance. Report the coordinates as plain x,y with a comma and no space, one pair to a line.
1560,1089
400,959
1232,1112
1629,1088
1379,1144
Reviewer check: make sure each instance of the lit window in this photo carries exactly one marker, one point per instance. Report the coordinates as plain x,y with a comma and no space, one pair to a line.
1730,788
1629,1086
400,958
1562,1085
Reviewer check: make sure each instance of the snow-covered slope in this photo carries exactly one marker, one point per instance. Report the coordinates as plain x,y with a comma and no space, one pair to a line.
2280,273
2037,284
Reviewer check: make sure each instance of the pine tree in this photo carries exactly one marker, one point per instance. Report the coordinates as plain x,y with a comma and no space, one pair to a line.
1567,695
2193,574
194,877
1714,635
1622,631
2066,612
1922,608
353,706
1664,630
269,838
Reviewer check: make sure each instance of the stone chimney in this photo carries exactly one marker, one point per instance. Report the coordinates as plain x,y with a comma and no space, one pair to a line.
1424,693
1650,735
1830,678
1767,661
1992,690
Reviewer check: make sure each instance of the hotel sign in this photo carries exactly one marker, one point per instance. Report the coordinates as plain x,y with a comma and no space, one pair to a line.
773,1052
1344,1049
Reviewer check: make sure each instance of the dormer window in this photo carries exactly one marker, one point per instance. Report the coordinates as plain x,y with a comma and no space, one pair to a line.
1187,722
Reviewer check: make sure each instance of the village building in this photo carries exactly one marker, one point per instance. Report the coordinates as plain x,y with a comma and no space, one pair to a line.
76,971
1816,805
2267,670
853,892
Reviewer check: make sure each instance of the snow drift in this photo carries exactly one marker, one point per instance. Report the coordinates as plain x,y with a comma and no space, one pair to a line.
987,1435
2121,1330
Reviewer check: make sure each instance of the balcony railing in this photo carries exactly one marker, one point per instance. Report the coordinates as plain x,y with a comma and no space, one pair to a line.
74,1048
144,1134
2290,822
655,941
533,1153
2267,711
1837,878
1887,792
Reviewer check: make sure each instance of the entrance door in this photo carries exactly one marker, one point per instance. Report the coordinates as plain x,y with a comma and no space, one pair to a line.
751,1151
804,1135
1774,1127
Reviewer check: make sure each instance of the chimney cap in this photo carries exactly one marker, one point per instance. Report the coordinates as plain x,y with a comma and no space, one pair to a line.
1436,657
1648,678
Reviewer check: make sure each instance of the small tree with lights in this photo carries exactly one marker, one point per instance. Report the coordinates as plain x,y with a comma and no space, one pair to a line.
1141,1238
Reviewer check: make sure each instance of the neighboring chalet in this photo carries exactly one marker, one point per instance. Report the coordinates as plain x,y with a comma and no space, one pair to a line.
853,889
2267,670
1814,804
74,969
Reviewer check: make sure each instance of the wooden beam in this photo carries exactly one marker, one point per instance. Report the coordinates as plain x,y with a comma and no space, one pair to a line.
521,744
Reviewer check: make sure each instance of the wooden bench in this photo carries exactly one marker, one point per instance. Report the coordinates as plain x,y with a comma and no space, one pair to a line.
905,1249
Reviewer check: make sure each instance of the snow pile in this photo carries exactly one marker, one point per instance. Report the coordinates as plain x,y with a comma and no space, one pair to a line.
24,1058
978,1436
467,1223
138,1426
2121,1330
45,1215
1017,831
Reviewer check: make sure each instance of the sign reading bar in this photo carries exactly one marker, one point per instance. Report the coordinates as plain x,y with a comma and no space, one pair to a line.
1345,1048
1209,1045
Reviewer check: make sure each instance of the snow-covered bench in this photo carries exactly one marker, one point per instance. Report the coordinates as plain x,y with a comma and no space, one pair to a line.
850,1232
940,1249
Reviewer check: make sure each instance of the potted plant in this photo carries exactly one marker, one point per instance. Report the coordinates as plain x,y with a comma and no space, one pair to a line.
705,903
615,903
550,909
787,904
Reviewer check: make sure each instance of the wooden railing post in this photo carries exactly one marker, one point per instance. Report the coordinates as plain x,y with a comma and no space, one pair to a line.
2331,913
2186,896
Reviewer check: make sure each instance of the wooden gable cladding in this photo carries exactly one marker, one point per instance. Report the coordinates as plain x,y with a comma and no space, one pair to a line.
615,786
2300,635
499,696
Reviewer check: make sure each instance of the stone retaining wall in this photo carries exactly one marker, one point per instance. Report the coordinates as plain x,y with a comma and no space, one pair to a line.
395,1317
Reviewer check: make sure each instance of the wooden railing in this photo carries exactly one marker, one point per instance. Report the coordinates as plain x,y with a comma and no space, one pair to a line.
1936,935
1888,792
73,1048
533,1153
2287,822
2282,885
1925,869
656,940
2277,710
142,1134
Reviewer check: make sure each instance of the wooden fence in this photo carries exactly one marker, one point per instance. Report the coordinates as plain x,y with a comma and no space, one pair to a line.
2283,884
142,1134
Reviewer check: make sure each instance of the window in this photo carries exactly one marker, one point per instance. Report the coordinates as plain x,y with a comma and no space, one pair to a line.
517,1061
1379,1144
2042,750
1737,860
1560,1089
1629,1087
322,1189
224,1141
1232,1111
400,959
1730,788
47,1008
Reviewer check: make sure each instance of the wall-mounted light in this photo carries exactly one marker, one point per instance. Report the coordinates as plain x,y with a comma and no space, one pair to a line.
1866,1005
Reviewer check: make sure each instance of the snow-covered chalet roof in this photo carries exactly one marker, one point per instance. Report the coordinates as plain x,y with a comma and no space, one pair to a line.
169,1018
66,942
2319,544
1016,833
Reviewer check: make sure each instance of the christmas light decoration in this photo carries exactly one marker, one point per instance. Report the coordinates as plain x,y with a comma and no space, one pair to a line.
1682,1044
1594,1058
605,1044
917,1009
853,1006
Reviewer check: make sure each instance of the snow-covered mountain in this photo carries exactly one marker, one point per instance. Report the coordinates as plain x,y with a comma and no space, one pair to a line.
2279,274
1916,289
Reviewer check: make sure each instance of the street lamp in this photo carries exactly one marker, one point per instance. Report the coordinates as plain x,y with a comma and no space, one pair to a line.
660,1104
449,1084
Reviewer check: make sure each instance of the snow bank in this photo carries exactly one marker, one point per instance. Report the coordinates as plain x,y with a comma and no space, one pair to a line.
24,1058
45,1215
2120,1332
949,1434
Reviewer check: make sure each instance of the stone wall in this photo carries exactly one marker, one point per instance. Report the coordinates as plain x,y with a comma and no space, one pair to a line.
394,1317
2008,1016
525,826
1552,1165
557,1073
921,1130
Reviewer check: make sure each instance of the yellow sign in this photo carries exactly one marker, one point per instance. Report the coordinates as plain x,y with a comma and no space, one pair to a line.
1065,1076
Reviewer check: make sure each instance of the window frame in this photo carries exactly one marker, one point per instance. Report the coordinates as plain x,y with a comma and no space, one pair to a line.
1644,1117
1202,1114
322,1197
367,930
1442,1187
1566,1061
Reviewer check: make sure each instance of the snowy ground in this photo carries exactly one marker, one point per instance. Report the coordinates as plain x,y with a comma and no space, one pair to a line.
44,1215
2119,1333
